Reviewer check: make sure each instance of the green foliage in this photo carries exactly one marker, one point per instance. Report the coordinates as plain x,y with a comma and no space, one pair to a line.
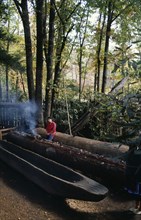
76,109
116,118
7,37
135,69
3,12
11,61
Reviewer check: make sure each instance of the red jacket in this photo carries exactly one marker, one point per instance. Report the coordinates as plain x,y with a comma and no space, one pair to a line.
51,128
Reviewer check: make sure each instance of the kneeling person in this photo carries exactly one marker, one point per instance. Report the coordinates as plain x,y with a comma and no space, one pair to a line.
50,129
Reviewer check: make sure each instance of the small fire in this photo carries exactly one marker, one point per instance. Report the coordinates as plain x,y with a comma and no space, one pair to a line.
29,133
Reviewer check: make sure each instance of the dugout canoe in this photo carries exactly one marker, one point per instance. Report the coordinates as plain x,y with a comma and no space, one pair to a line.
109,171
54,178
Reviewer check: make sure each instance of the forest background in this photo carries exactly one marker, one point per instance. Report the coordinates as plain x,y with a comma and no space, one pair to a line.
76,60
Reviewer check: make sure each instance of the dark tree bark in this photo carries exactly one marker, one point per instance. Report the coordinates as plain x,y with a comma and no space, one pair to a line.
82,37
63,32
23,11
112,16
7,68
0,91
80,71
106,50
7,83
23,86
60,46
39,59
49,61
99,51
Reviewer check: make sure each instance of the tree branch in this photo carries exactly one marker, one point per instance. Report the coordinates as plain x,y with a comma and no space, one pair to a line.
18,5
121,12
72,11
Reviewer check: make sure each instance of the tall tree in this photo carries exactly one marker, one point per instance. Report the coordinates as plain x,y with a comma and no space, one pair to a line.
114,10
65,12
7,67
22,7
49,60
101,24
110,12
82,36
39,58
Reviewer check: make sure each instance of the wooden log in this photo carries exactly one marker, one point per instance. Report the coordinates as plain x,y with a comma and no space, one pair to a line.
93,146
106,170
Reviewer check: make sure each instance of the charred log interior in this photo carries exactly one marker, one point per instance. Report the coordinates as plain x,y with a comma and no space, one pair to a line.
108,170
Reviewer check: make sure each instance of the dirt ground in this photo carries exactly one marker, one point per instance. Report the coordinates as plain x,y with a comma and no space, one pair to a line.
20,199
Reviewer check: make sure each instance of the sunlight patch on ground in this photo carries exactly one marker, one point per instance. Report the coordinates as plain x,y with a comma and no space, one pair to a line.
89,207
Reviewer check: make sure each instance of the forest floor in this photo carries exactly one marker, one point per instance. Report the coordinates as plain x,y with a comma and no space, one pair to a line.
20,199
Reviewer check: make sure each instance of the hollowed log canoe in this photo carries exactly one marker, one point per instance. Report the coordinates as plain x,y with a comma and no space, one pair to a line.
54,178
109,171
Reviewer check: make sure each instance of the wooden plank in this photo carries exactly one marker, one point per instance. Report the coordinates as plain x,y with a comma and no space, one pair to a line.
5,131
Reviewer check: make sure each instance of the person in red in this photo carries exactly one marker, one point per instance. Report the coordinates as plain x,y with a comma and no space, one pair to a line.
50,129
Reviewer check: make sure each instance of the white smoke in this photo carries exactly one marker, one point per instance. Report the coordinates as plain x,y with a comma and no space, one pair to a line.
29,110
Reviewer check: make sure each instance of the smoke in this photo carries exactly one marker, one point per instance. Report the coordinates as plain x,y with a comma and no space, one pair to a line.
21,115
29,110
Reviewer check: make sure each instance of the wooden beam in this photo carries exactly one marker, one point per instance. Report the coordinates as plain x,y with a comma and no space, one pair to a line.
4,132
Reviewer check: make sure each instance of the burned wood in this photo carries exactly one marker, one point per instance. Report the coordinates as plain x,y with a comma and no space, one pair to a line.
100,167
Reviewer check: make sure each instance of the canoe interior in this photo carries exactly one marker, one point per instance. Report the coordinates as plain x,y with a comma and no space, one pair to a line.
59,172
51,167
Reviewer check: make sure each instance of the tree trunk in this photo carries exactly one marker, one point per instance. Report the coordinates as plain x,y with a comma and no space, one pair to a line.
94,146
80,71
39,59
0,90
23,86
99,51
7,83
63,32
106,50
7,67
59,49
7,76
82,37
23,11
49,61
